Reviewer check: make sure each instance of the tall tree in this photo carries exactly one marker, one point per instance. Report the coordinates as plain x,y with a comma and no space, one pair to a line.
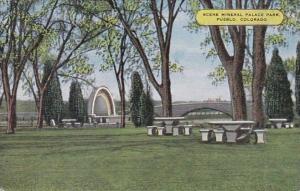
76,102
232,63
135,98
1,93
257,42
259,66
117,51
163,15
297,87
21,33
278,98
53,102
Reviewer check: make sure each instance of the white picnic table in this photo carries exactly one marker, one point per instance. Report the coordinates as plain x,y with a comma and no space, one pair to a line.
106,118
278,123
230,128
169,122
69,122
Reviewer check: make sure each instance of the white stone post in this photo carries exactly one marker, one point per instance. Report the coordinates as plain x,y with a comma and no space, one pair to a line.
175,131
204,134
149,130
219,135
160,130
260,133
187,129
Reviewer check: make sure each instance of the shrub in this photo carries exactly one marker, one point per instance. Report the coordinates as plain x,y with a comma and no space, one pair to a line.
278,99
53,101
135,94
76,102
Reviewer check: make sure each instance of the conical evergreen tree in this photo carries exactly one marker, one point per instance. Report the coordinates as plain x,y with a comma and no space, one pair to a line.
135,94
297,83
53,102
278,99
76,102
147,110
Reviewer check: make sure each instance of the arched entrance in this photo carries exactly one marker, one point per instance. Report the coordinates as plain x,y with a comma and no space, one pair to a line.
101,102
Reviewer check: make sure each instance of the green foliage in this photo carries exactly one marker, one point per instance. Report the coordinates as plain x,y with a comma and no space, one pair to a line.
53,102
278,99
135,98
76,102
297,87
147,108
274,37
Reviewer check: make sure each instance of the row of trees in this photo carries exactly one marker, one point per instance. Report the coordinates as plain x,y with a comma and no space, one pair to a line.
126,34
236,45
34,31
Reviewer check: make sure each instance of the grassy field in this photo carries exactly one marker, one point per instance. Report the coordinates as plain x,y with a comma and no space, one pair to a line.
127,159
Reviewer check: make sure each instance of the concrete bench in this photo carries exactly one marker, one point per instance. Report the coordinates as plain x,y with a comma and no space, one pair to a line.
187,129
260,134
151,129
219,135
288,125
277,123
231,128
77,125
160,130
204,134
68,125
175,130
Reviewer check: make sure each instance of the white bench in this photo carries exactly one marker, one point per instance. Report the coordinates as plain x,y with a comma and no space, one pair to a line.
150,130
230,128
160,130
219,135
68,122
187,129
204,134
260,134
77,125
278,123
289,125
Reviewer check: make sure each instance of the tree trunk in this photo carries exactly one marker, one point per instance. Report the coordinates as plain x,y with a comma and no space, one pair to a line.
122,98
259,72
1,99
11,115
166,99
123,112
40,109
237,93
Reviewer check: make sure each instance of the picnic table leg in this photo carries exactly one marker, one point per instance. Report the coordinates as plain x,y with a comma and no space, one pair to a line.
169,127
231,136
278,125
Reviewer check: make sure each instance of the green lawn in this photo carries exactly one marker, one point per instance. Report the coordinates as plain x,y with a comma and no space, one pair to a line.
127,159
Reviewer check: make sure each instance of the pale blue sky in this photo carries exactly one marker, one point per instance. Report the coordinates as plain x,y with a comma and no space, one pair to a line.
193,83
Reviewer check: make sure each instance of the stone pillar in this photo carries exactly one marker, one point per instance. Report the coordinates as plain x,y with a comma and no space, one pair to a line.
175,131
204,134
219,135
187,129
260,133
160,131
